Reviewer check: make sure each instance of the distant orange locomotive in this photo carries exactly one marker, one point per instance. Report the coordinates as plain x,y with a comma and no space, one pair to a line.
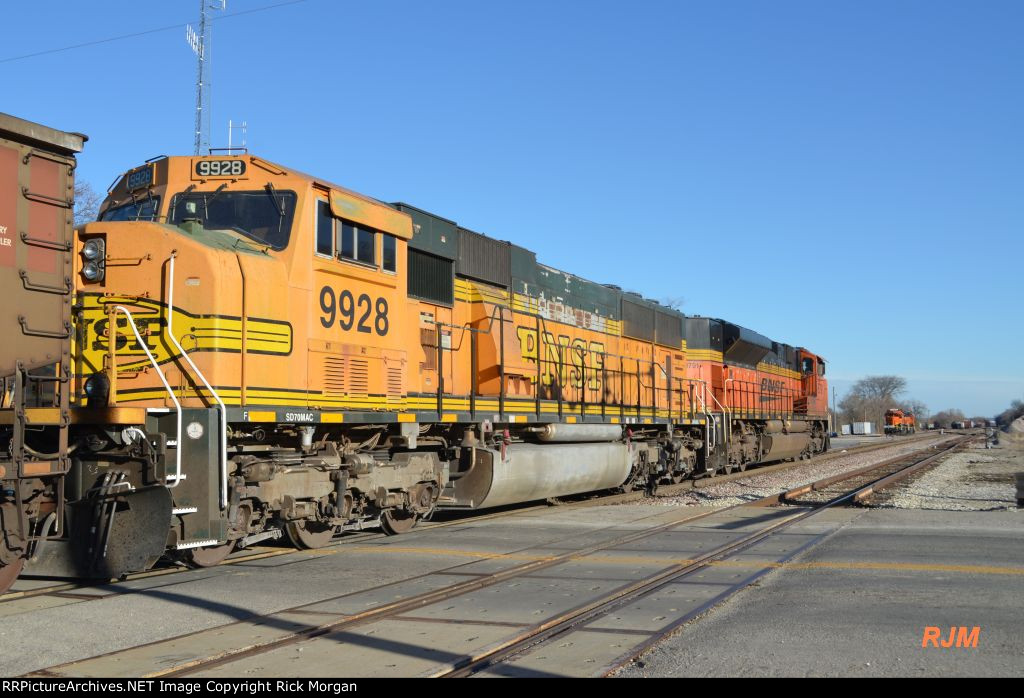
257,352
899,422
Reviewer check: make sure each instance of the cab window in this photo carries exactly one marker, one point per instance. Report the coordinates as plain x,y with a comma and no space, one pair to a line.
346,240
143,210
324,229
263,215
366,247
808,366
387,253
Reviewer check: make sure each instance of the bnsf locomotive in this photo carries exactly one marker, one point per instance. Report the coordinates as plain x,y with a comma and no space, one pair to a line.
899,422
237,352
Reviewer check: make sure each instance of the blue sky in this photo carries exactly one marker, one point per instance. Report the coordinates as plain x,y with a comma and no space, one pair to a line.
842,175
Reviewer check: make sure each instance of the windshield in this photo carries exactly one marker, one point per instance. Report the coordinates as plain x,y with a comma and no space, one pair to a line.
142,210
264,215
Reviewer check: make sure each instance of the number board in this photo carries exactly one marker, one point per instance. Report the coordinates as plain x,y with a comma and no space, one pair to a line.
343,309
212,169
138,179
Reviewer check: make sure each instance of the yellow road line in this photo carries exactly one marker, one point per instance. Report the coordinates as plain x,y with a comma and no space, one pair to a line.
634,560
479,554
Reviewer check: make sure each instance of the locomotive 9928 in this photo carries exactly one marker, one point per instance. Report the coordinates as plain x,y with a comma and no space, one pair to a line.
245,352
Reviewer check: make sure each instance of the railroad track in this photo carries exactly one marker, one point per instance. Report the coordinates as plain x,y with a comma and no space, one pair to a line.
846,488
243,556
601,499
183,655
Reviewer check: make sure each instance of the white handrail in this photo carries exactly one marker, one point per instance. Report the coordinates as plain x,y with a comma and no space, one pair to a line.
710,442
727,413
163,379
223,409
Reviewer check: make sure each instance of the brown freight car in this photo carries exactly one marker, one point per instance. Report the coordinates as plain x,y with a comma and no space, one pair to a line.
37,166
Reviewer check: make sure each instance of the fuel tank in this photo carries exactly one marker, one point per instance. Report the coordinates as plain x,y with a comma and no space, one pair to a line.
530,472
779,446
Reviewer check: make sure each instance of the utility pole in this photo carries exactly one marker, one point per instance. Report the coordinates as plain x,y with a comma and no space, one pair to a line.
835,418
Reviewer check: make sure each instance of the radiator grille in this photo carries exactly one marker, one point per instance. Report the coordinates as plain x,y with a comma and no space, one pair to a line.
358,377
334,375
395,382
637,321
668,329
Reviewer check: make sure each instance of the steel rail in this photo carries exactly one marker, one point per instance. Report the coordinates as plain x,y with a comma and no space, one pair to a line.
390,609
461,588
563,623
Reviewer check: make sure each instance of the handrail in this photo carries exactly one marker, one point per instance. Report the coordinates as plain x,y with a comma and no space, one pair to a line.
728,417
163,379
710,444
223,409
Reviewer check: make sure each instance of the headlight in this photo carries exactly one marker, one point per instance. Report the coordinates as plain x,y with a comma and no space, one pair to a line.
92,250
91,271
97,390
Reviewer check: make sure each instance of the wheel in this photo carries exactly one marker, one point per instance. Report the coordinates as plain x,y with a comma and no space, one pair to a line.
394,521
9,573
208,557
9,536
307,535
742,467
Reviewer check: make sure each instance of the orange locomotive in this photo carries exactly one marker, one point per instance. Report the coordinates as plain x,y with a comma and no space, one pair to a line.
899,422
258,352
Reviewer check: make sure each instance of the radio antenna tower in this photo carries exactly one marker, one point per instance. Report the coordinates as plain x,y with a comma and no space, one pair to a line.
200,42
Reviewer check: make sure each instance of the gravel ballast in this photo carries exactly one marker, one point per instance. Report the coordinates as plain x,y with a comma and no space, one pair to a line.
758,486
977,479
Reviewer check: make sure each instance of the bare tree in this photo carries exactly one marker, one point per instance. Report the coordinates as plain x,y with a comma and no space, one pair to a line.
945,418
87,203
917,408
870,397
674,302
879,387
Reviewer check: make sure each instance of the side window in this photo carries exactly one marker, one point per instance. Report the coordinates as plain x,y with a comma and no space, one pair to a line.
324,229
387,253
336,237
366,251
346,240
808,366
